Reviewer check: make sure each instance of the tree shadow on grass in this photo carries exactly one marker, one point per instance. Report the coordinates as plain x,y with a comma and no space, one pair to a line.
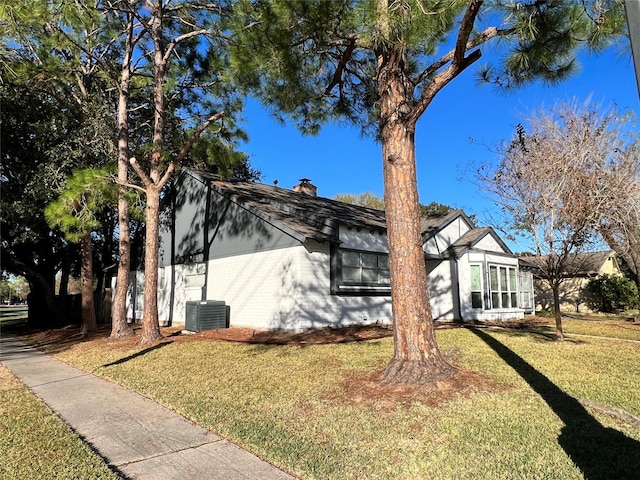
137,354
600,453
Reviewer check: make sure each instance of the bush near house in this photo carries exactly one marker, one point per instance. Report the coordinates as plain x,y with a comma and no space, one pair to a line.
610,293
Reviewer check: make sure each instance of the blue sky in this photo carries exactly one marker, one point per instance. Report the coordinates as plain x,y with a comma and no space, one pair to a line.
339,160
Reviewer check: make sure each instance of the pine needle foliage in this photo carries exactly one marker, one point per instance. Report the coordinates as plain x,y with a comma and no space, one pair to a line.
314,61
86,193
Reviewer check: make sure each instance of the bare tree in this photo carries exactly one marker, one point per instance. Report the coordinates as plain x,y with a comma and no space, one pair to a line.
614,185
545,183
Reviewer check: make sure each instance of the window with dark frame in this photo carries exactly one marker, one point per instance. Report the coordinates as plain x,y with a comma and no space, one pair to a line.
363,268
360,272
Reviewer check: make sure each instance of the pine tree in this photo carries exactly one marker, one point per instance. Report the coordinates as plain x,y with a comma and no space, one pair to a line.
75,213
379,64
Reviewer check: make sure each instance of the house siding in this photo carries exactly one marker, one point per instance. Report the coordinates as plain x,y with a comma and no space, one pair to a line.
172,301
270,273
288,289
363,239
489,244
221,229
441,279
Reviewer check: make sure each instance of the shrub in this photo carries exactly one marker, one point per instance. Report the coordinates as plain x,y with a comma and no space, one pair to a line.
610,293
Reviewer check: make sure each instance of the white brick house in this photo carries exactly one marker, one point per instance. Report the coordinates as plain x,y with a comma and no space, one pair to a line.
283,259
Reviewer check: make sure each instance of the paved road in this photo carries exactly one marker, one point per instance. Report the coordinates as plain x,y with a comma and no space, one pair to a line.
13,311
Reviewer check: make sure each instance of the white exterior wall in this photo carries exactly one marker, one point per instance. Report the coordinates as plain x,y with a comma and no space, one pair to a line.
440,282
363,239
489,244
135,296
181,293
287,288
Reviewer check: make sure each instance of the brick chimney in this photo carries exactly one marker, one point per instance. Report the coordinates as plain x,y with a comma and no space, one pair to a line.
305,186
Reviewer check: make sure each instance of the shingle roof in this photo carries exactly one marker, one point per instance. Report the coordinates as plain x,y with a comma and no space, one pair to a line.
468,240
318,218
578,264
313,217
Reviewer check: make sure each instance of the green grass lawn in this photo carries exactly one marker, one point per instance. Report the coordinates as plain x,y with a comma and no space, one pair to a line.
36,444
600,325
308,409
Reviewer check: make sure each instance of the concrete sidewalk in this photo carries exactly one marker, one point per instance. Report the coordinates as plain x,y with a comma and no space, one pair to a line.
135,435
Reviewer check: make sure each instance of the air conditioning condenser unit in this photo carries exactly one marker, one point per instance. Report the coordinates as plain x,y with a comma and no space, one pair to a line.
205,315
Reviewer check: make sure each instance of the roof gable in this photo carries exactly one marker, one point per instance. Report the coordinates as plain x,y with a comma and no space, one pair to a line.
473,237
432,224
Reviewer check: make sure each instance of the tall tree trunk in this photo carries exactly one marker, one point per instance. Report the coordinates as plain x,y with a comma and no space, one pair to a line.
636,278
150,325
159,172
86,277
416,358
556,308
119,326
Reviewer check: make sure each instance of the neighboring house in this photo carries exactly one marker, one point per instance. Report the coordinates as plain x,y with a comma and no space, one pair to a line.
580,268
288,259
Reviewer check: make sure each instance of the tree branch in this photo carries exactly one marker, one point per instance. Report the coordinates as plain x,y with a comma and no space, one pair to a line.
483,37
440,81
466,26
129,185
179,39
346,55
457,57
141,173
187,146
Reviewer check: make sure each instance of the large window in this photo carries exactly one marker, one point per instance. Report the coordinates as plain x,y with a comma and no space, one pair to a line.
360,272
503,287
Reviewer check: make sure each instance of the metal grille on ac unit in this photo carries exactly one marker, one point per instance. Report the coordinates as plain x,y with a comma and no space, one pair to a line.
205,315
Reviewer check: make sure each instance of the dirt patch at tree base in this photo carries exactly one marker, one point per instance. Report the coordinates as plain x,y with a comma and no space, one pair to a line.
359,388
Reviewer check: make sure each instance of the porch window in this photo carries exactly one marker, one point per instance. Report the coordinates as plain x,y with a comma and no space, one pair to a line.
513,287
503,286
359,272
476,286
